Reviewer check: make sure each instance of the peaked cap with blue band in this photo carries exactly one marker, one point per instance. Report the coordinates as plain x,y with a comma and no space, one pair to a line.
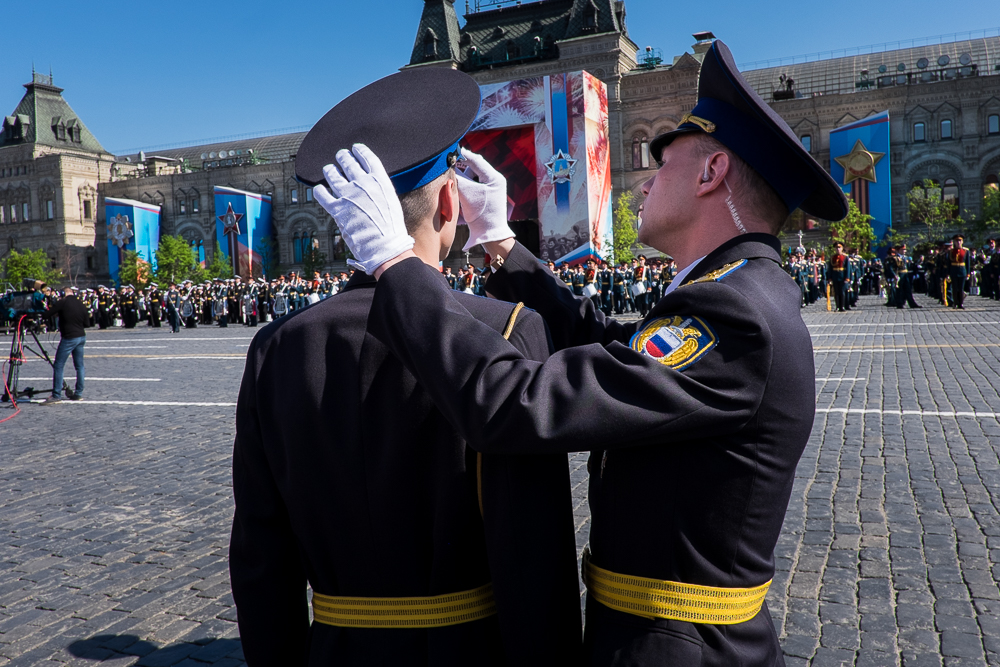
731,112
413,120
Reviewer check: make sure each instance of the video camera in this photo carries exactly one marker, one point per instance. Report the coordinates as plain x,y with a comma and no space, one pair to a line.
29,301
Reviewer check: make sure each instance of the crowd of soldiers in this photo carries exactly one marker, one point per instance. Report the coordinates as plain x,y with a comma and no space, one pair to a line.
947,271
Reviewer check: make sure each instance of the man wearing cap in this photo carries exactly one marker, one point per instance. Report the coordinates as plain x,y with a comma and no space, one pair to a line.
958,269
839,267
418,551
696,417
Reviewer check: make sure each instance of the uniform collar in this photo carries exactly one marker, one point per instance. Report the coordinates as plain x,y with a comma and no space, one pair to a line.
754,245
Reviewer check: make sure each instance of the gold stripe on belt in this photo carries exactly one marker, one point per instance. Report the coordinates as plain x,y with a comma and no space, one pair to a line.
654,598
416,612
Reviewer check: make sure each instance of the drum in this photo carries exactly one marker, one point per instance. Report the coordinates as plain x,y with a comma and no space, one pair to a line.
280,304
589,290
638,288
187,308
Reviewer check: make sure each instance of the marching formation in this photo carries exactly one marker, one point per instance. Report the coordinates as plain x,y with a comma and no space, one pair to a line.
947,271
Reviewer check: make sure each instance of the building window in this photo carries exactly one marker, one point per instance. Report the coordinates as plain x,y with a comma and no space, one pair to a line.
88,213
2,210
194,205
297,249
946,129
76,134
309,194
645,153
295,196
24,212
90,263
183,206
950,193
807,143
918,132
48,209
636,154
993,124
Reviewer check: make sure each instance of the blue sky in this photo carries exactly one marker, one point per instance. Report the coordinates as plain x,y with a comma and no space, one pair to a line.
145,74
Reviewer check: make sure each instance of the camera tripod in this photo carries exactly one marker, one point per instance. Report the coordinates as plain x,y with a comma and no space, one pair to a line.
16,358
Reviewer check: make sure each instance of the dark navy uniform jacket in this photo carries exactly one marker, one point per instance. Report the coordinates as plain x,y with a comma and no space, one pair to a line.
347,477
700,459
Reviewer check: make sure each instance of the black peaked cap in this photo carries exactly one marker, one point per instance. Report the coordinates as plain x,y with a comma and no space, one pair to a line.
411,120
730,111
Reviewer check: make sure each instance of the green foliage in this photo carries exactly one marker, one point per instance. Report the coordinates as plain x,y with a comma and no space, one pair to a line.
987,223
176,261
623,229
221,265
134,270
927,206
29,264
267,248
854,231
312,260
895,238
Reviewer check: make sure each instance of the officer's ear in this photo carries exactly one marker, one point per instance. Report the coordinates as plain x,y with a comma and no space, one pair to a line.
448,204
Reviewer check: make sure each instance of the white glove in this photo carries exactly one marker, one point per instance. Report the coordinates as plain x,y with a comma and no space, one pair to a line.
484,204
364,205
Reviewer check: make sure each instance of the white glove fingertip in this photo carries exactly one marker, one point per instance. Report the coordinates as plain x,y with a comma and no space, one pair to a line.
367,158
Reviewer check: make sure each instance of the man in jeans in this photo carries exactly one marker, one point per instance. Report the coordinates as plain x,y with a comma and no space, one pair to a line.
72,320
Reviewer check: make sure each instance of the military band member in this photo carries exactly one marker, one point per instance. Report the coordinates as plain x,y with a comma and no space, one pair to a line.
696,416
959,263
838,270
606,282
155,302
368,492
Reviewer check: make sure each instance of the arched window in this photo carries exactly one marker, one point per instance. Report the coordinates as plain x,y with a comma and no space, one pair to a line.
302,243
636,153
946,129
297,248
807,142
949,193
918,132
993,124
645,152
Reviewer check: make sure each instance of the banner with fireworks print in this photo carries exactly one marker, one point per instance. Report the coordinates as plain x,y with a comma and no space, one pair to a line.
242,220
554,130
131,225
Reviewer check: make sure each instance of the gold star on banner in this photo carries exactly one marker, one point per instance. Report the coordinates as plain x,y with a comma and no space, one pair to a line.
859,163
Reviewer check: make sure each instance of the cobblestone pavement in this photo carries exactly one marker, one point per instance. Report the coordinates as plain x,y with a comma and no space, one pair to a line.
115,511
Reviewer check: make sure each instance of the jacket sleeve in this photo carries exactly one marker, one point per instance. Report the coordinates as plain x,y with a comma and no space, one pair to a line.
268,580
531,540
584,397
571,319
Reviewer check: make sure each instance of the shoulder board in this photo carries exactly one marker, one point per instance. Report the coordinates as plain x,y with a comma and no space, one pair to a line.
719,274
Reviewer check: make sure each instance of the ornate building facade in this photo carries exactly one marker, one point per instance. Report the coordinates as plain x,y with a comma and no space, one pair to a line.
51,168
943,102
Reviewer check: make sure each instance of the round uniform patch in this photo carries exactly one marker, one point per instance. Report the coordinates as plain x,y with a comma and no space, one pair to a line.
675,341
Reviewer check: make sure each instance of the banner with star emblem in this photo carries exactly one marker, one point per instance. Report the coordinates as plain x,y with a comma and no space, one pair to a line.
858,162
131,225
242,219
558,166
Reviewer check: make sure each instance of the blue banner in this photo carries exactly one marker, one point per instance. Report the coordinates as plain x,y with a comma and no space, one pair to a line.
242,220
131,225
859,162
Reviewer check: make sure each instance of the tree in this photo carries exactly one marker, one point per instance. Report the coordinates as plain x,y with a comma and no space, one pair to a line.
267,248
29,264
175,260
987,223
220,266
927,206
312,261
134,270
854,231
623,229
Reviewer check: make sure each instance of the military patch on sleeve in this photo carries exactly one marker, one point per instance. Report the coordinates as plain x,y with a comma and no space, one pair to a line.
719,274
676,341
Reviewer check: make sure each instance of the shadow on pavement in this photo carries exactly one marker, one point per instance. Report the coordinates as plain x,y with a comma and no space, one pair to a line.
114,647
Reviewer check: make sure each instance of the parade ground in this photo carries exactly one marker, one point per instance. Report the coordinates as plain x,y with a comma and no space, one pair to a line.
115,511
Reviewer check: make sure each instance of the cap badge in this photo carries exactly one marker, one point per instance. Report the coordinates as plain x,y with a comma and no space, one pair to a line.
706,125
